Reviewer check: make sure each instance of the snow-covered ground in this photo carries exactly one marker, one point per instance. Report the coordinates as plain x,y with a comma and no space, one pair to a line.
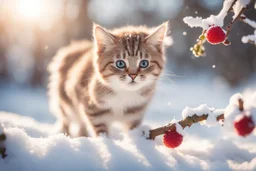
32,145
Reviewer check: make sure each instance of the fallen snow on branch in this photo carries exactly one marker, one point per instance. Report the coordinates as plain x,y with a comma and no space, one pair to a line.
239,5
250,38
217,20
250,105
203,110
233,113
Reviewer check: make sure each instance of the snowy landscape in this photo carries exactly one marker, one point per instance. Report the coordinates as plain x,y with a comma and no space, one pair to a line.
33,145
33,142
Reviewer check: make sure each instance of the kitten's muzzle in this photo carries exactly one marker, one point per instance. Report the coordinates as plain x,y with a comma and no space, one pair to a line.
133,76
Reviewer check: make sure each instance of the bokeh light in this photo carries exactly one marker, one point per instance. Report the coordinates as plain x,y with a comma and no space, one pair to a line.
31,9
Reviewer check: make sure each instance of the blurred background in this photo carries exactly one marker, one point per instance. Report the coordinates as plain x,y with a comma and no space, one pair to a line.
31,32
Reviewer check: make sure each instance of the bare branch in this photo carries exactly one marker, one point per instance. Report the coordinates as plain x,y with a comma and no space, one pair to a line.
187,122
231,7
239,16
229,26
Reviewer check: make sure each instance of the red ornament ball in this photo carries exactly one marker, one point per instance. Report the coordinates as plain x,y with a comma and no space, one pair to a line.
244,126
215,35
172,139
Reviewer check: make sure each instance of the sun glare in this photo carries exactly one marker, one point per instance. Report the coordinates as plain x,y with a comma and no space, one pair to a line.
31,9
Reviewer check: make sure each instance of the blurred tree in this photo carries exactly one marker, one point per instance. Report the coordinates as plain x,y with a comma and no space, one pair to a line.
72,22
83,23
38,54
3,47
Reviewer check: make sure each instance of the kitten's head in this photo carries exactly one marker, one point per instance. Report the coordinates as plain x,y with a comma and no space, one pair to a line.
130,57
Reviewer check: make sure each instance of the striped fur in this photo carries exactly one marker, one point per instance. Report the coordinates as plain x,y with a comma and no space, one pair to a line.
86,87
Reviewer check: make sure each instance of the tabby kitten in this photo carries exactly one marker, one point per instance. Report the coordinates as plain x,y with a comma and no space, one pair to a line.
111,79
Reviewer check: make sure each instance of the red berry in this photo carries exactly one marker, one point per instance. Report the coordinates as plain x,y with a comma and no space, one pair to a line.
215,35
172,139
244,126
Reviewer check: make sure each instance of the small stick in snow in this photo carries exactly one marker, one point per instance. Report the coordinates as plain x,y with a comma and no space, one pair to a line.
240,105
2,149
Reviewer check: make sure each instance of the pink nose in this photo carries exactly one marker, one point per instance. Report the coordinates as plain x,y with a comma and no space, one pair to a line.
133,76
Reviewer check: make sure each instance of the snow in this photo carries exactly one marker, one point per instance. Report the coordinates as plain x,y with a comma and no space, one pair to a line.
129,152
251,105
232,112
179,129
238,118
250,22
244,166
203,110
253,110
33,145
212,117
254,99
235,98
248,38
239,5
199,111
193,21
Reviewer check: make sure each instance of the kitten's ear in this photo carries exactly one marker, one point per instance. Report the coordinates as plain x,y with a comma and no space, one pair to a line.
102,36
157,37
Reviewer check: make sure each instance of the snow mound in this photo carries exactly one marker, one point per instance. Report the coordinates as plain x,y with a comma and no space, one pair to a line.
27,150
233,113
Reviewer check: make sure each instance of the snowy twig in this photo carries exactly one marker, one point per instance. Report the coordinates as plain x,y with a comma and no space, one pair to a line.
248,21
250,38
188,121
238,7
229,26
231,7
240,104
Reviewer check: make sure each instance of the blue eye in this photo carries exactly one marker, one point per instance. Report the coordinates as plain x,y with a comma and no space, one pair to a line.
144,63
120,64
